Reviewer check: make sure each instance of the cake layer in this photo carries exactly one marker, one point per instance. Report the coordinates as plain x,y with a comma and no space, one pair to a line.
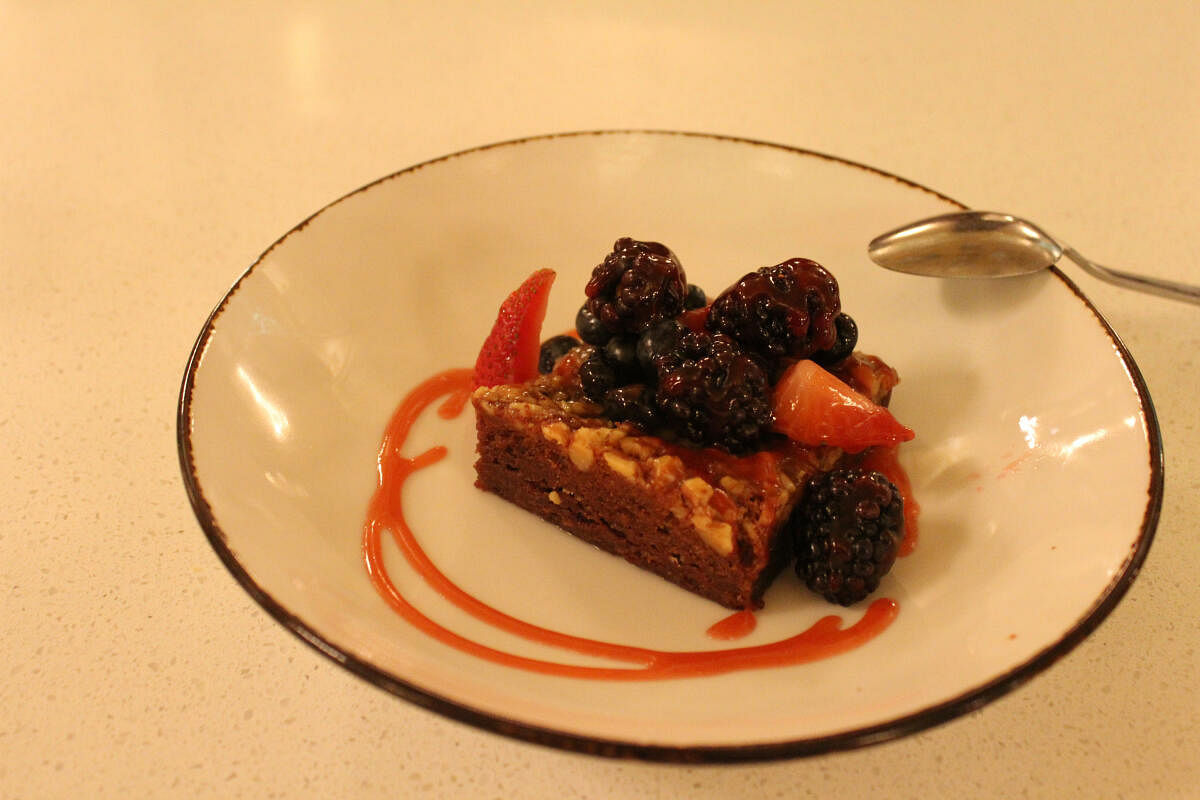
702,519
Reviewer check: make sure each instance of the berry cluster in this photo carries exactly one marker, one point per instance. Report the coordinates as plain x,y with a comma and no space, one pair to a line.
707,383
664,359
847,531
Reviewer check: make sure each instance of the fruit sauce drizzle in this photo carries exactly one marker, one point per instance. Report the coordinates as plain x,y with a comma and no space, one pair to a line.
823,639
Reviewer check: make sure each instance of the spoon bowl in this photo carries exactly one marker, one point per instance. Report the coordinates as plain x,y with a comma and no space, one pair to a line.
971,244
987,244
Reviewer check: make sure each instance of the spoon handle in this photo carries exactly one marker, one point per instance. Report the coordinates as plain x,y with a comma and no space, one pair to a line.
1163,288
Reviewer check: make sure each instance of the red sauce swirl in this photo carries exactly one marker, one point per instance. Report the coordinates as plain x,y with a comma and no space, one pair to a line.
823,639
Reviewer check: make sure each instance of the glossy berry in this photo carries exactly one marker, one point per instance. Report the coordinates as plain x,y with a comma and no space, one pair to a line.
784,311
597,377
695,319
656,341
552,350
847,531
637,285
711,393
633,403
695,298
590,328
847,339
621,353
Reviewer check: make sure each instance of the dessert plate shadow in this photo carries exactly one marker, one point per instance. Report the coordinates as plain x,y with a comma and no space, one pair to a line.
1037,461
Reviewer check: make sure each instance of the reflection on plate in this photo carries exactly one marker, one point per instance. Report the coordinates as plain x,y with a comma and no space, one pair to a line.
1037,461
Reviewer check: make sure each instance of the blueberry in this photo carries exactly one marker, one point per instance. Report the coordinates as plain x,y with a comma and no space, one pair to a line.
552,350
662,338
590,328
621,353
695,298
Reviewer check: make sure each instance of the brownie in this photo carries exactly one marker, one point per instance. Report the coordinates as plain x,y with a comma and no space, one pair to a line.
703,519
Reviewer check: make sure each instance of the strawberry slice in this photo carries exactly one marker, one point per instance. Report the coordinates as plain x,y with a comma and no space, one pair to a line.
510,352
813,407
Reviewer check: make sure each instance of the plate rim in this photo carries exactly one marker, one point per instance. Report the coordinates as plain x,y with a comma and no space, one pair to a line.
851,739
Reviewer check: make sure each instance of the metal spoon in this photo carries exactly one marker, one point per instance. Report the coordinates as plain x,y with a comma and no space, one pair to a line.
986,244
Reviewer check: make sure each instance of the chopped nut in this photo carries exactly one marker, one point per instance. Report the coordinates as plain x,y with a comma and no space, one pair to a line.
580,453
723,505
697,491
555,498
600,436
636,447
582,408
665,470
737,488
621,465
754,528
557,432
717,535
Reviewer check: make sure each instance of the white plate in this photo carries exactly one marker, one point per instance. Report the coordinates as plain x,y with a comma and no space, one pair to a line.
1037,461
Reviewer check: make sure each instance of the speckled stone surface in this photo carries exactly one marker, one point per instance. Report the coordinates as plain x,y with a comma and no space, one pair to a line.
150,152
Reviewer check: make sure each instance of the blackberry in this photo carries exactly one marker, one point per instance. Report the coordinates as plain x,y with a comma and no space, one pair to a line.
633,403
847,339
847,530
711,393
637,285
552,350
597,377
784,311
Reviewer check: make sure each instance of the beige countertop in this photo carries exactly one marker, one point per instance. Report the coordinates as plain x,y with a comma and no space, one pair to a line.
149,152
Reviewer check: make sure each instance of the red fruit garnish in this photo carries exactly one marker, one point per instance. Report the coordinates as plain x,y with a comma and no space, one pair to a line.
813,407
510,353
